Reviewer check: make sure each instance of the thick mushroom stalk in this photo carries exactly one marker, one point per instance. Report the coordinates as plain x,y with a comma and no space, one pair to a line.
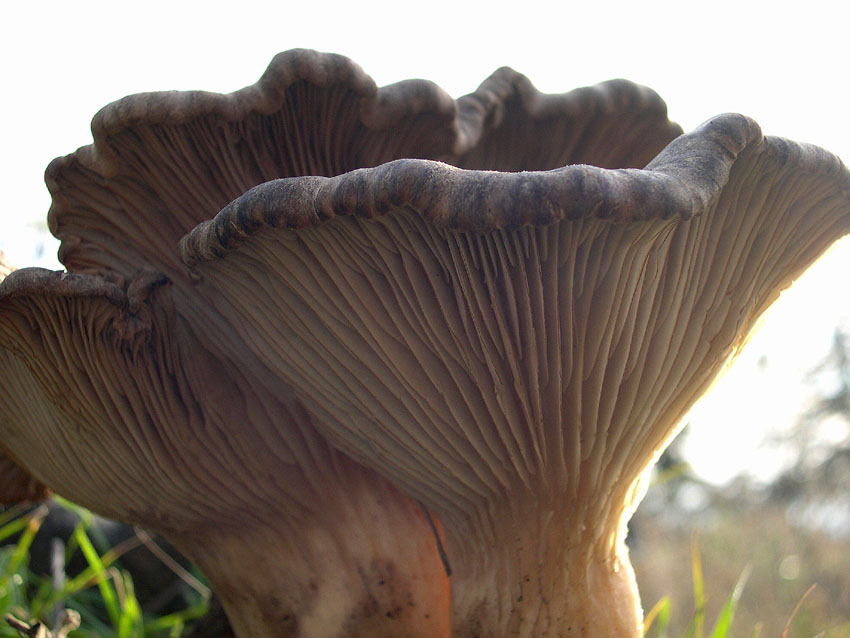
516,349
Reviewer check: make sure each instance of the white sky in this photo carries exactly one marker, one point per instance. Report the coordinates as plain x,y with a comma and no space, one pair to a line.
785,67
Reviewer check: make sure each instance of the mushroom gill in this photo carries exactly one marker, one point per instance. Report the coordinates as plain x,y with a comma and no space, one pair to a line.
16,484
115,405
516,349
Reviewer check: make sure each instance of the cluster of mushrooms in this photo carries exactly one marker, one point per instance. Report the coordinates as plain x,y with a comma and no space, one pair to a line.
384,363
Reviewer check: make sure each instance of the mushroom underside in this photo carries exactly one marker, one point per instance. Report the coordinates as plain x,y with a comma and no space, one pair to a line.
367,359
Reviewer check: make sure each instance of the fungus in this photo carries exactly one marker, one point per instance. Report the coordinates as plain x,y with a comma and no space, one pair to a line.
129,393
510,349
516,349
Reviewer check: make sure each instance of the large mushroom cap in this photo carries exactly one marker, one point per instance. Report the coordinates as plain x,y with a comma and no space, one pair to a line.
164,162
515,349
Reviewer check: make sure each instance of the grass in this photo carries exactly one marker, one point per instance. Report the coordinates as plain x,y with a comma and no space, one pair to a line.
657,620
102,593
104,597
785,559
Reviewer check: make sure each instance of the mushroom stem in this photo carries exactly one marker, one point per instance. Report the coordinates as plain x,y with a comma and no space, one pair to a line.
370,570
544,571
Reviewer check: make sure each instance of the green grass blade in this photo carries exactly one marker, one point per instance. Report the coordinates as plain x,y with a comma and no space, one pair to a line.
698,622
110,600
177,619
661,612
11,514
130,625
110,610
82,580
724,620
12,528
21,554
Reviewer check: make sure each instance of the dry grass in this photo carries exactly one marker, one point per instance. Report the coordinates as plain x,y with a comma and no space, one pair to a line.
785,561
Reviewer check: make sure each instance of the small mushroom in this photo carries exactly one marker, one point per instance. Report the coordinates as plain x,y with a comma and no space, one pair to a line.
516,349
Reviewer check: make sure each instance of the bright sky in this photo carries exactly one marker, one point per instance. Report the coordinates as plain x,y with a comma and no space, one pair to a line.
784,65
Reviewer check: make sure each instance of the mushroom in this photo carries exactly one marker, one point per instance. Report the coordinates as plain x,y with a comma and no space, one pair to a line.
132,394
516,349
510,350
